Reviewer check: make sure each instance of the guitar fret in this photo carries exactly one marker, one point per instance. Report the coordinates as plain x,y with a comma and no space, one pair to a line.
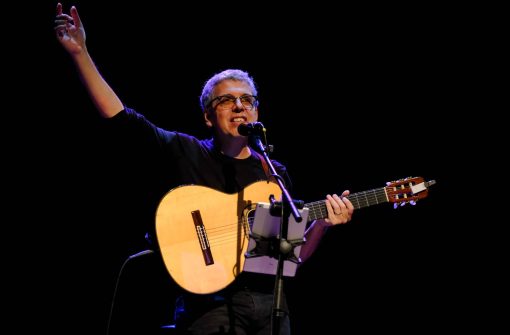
325,211
357,201
318,209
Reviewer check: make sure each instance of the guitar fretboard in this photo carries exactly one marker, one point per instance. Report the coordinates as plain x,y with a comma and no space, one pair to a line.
318,209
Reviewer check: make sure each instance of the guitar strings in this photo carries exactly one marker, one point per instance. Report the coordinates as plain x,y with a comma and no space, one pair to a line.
224,234
218,236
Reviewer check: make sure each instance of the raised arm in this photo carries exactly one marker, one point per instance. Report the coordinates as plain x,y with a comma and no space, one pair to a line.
71,35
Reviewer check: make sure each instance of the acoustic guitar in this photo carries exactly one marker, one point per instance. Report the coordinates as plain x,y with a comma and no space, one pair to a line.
203,233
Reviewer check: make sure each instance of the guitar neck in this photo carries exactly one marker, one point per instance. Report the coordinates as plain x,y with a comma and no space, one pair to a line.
318,209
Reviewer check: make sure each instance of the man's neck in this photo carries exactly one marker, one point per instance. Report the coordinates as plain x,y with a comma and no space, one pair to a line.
235,148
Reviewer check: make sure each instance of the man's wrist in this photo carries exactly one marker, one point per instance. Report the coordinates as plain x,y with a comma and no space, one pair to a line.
323,223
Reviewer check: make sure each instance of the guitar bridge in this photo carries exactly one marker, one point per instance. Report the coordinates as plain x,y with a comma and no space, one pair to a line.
202,237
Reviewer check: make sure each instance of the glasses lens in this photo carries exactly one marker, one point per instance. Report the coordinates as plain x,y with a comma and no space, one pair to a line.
228,101
248,101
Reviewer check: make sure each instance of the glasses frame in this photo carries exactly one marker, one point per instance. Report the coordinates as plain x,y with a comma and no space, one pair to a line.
234,100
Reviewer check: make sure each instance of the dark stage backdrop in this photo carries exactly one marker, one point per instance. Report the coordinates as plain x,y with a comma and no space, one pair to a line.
350,101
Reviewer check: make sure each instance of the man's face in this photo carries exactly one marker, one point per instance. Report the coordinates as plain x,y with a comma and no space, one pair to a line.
231,107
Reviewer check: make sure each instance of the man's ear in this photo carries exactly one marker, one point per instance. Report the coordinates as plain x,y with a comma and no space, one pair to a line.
207,115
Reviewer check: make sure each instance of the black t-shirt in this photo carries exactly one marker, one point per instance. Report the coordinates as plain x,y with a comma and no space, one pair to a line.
184,159
178,159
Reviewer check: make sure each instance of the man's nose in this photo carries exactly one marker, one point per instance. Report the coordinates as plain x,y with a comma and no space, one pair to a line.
238,105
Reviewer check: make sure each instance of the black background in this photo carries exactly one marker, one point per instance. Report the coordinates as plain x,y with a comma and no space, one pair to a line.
351,98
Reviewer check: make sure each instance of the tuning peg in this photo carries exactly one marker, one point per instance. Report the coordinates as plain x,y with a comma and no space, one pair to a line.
395,205
403,203
412,202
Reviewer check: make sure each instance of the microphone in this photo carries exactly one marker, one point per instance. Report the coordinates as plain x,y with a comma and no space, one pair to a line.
254,128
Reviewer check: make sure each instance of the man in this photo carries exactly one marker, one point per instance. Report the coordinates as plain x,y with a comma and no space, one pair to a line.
225,163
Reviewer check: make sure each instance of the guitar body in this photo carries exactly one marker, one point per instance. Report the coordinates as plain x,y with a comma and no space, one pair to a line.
203,234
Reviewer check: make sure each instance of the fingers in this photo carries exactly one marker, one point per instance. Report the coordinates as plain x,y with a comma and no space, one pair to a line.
63,22
339,208
76,17
347,202
337,204
73,19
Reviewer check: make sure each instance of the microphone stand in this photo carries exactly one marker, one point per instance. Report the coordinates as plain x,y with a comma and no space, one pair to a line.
286,207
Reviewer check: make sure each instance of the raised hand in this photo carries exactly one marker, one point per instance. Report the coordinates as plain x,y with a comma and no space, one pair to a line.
69,30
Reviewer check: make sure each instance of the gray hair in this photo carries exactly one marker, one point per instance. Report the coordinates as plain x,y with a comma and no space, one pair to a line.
230,74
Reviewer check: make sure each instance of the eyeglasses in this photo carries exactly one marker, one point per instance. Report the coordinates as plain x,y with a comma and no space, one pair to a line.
228,101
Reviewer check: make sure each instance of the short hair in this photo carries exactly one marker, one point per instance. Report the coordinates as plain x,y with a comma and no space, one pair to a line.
229,74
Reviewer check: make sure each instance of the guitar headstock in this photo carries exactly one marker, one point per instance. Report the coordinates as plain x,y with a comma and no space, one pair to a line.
407,190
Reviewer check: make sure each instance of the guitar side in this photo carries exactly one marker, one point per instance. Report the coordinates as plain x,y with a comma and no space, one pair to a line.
203,233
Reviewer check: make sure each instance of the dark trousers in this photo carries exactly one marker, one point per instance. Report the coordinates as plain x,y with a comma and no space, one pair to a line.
147,301
242,312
